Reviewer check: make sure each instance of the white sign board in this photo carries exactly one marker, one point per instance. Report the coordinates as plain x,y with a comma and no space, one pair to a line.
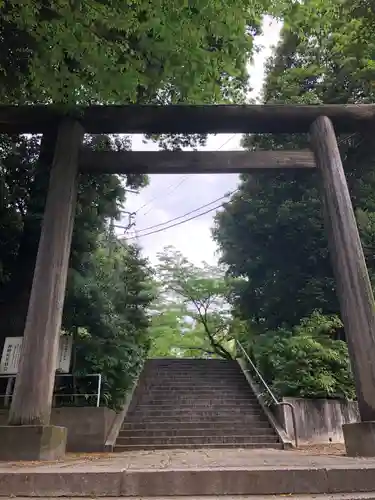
65,353
12,351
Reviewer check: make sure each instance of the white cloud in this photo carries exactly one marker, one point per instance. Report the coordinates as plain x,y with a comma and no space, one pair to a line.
169,196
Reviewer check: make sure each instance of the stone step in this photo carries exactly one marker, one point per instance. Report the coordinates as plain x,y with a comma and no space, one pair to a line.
196,385
195,431
164,374
151,397
223,426
180,364
197,439
190,373
204,367
150,411
199,404
181,374
191,446
199,379
240,419
197,393
129,477
217,382
201,401
189,361
336,496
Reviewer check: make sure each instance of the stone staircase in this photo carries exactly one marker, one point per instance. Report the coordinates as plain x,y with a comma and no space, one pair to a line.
194,403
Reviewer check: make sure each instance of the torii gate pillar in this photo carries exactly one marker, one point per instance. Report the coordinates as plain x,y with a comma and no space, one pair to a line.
353,284
29,435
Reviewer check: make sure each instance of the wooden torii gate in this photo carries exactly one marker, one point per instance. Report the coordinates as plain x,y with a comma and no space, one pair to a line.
31,404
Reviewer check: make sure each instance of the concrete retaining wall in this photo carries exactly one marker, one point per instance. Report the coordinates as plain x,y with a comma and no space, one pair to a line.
88,427
318,420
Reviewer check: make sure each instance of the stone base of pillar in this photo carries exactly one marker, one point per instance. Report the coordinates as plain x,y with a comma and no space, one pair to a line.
32,442
360,439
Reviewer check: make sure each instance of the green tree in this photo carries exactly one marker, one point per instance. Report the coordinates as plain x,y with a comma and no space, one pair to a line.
75,52
202,293
271,233
173,333
310,351
99,197
88,52
106,311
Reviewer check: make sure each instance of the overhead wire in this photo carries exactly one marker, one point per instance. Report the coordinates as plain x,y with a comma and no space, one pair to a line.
167,191
161,229
173,186
174,225
226,142
183,215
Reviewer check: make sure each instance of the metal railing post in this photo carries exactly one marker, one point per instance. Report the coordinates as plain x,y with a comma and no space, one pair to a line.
273,397
99,389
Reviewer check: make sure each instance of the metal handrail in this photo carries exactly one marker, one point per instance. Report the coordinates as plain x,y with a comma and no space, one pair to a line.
11,377
273,397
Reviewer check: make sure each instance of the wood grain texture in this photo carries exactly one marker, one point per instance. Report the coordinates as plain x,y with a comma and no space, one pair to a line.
31,404
189,119
352,279
191,162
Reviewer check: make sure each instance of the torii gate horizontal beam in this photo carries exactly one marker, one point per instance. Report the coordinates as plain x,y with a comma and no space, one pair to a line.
191,162
188,119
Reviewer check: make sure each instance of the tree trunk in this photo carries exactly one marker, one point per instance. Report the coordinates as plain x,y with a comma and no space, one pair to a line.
31,404
353,283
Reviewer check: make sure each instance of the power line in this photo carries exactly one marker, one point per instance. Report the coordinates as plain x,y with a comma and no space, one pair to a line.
184,179
181,216
167,191
176,224
196,209
226,142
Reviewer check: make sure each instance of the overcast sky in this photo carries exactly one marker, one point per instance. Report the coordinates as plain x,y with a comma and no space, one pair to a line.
169,196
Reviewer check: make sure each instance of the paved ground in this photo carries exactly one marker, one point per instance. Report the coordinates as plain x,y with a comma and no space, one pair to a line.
345,496
312,457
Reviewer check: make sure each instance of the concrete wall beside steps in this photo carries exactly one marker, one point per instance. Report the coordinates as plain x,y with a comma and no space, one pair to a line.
319,421
88,427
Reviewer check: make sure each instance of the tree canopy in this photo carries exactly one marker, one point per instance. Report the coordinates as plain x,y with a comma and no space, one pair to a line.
71,53
194,299
108,284
272,230
307,361
271,233
106,312
114,51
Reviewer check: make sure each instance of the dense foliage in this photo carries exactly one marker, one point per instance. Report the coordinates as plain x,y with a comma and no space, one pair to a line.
135,51
271,233
116,52
107,291
308,361
106,311
192,316
275,219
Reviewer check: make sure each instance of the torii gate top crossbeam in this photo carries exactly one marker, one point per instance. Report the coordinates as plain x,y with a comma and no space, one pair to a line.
188,119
